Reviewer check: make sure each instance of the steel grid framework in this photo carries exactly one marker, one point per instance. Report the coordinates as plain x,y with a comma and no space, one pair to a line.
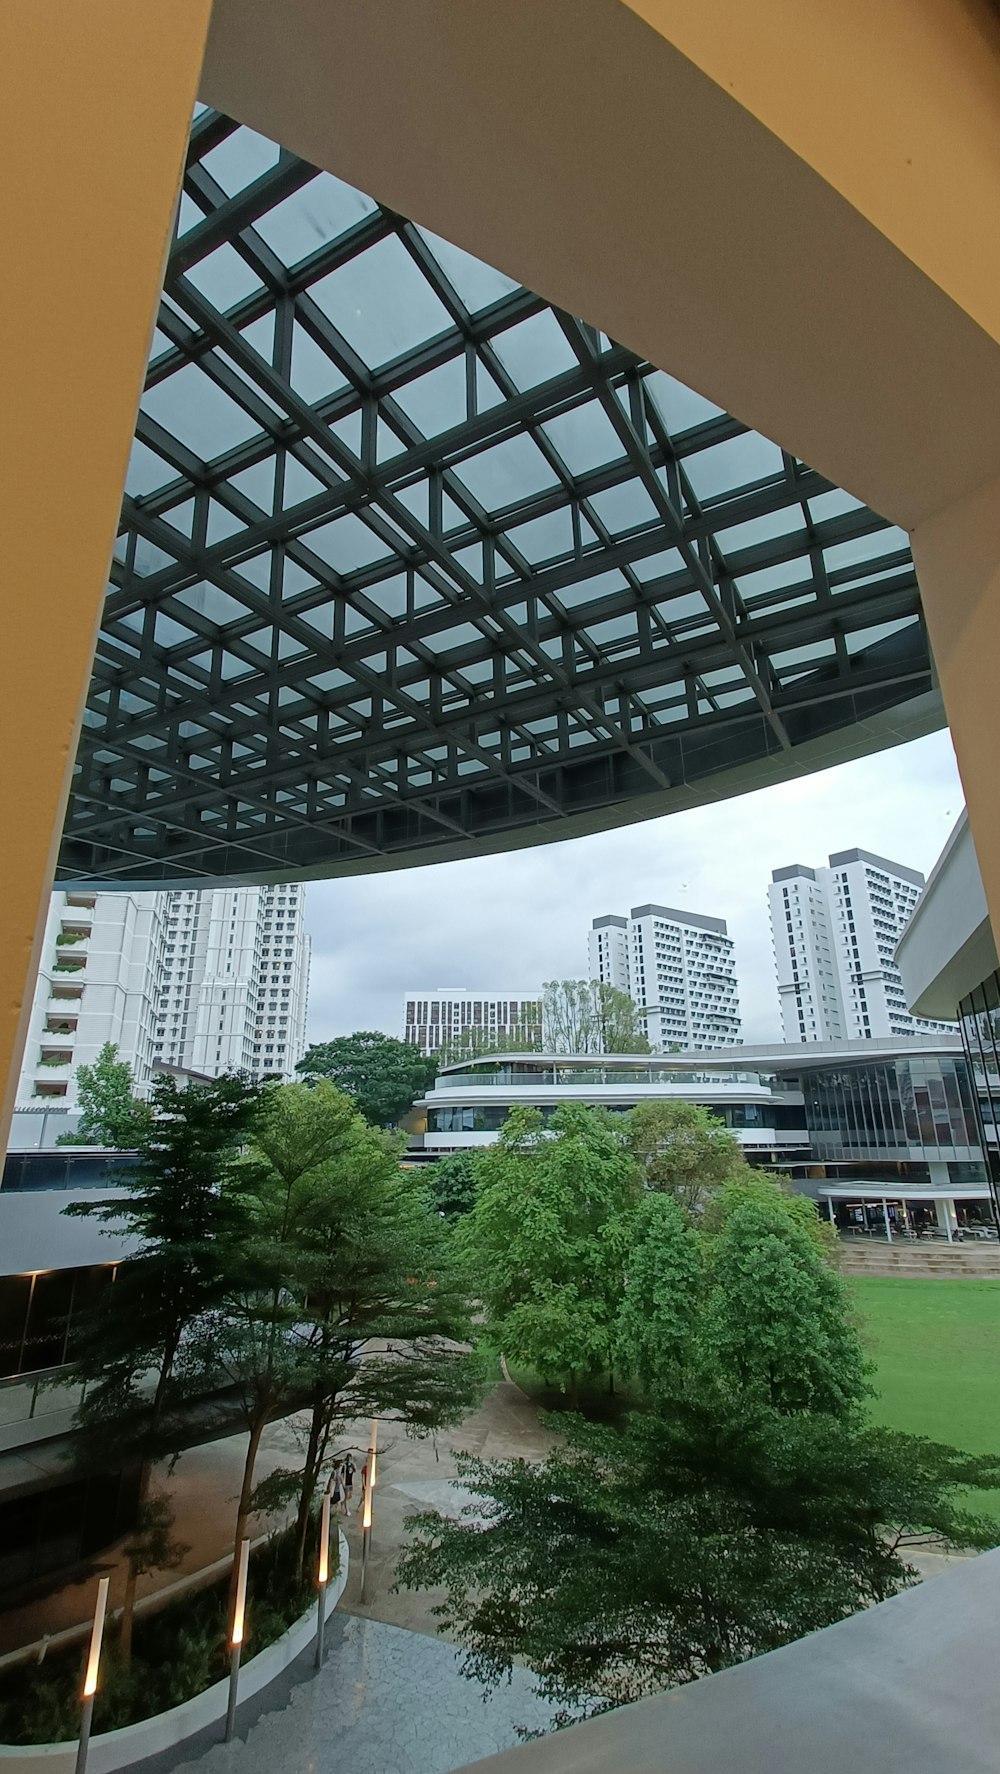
412,564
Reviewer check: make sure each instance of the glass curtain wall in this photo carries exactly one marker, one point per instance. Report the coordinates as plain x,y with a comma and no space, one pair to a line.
979,1019
920,1107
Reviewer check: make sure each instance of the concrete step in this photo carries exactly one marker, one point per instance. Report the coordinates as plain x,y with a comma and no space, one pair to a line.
910,1259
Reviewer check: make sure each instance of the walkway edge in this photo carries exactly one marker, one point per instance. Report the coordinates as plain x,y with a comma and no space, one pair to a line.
111,1750
505,1370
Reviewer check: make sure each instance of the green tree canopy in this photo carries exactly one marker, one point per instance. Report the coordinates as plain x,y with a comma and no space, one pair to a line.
381,1075
658,1315
776,1321
187,1224
685,1151
452,1183
589,1016
110,1112
634,1560
340,1251
547,1238
478,1043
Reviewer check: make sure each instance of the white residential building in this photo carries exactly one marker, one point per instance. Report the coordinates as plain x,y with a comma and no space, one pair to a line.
835,932
678,967
434,1018
235,984
98,980
609,946
210,981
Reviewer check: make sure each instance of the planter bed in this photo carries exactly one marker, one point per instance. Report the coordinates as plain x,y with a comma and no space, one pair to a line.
120,1748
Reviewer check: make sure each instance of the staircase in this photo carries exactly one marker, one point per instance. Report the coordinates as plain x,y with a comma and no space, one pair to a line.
904,1257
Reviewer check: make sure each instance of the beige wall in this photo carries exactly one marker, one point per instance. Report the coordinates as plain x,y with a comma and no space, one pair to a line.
586,150
96,101
790,207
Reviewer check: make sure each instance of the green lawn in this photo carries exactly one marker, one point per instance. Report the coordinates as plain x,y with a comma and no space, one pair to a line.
936,1346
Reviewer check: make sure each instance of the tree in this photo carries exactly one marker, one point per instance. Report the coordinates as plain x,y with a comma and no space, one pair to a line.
776,1323
186,1224
657,1318
111,1114
383,1076
339,1250
547,1238
634,1560
452,1183
589,1016
685,1151
478,1043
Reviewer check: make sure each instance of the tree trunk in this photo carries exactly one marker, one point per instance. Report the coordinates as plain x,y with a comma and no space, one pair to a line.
243,1508
309,1473
145,1479
574,1392
132,1573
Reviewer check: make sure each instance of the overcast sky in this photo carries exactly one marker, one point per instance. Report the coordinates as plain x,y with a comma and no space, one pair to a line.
510,922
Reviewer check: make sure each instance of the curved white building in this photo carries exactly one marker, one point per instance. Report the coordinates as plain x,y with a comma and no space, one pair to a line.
884,1133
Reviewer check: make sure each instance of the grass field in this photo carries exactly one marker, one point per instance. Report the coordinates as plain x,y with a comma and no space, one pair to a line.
936,1346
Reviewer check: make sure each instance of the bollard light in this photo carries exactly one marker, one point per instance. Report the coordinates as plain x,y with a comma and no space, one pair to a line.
90,1678
366,1518
239,1612
322,1574
236,1638
324,1540
96,1636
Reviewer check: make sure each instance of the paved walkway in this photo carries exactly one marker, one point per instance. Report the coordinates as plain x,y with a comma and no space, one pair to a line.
415,1475
386,1702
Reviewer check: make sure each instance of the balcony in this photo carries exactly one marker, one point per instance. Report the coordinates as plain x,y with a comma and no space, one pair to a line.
60,1025
73,933
70,964
56,1056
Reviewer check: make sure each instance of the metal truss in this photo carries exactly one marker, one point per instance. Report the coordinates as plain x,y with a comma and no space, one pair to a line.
412,564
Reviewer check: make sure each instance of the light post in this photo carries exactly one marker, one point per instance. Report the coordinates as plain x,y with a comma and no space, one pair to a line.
90,1679
236,1639
322,1574
366,1518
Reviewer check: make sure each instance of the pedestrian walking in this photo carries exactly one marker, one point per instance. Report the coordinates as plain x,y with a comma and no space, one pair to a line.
337,1488
348,1484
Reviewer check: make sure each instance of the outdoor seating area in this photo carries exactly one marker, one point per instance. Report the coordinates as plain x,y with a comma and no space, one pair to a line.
871,1211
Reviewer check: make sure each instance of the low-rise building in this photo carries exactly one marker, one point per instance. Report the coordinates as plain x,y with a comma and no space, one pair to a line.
435,1018
881,1134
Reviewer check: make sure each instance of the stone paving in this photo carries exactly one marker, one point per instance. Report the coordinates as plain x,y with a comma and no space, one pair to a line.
387,1701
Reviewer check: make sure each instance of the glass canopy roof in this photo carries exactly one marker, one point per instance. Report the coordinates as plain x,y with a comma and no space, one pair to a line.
412,564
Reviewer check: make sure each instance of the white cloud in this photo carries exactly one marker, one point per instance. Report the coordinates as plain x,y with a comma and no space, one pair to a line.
514,920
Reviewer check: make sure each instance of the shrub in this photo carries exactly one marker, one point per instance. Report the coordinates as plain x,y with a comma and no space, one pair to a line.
179,1651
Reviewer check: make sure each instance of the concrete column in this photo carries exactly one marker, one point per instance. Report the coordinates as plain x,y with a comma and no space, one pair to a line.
885,1217
945,1211
96,102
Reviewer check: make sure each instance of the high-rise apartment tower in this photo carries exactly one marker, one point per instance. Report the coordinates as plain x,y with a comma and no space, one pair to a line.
235,986
835,932
98,980
210,981
679,969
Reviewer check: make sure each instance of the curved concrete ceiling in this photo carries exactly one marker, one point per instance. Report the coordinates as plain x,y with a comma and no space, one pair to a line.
413,565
